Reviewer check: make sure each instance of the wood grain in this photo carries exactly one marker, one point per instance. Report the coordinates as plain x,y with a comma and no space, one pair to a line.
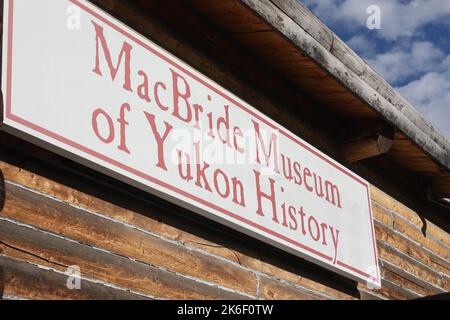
275,290
360,149
384,292
410,267
396,240
74,197
403,282
27,281
308,34
398,209
42,249
80,199
59,218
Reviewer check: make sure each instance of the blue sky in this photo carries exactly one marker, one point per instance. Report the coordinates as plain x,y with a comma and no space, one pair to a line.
411,50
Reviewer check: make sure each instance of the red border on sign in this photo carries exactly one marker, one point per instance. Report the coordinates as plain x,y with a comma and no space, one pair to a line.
73,144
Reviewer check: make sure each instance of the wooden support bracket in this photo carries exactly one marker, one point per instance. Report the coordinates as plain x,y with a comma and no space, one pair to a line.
368,144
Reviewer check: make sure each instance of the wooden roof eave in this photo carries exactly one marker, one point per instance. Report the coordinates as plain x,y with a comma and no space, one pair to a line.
307,33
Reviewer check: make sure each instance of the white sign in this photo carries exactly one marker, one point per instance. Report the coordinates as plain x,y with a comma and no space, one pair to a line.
81,83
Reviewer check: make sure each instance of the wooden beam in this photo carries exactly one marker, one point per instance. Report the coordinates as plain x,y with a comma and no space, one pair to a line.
367,148
30,281
368,144
373,90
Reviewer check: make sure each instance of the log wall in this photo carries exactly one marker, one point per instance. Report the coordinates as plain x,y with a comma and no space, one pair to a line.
130,245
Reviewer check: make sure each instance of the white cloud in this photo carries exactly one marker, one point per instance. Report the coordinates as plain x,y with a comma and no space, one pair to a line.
398,18
429,67
419,69
363,45
431,96
412,60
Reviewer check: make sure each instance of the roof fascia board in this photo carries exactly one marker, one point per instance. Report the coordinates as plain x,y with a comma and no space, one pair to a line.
391,106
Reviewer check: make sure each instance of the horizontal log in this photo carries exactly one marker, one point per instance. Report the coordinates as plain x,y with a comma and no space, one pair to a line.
27,281
446,282
320,32
137,213
410,248
410,231
309,22
360,149
267,269
382,215
59,218
410,268
385,292
396,286
157,225
403,282
80,199
366,294
382,99
29,245
420,128
399,291
386,201
305,280
393,287
396,207
275,290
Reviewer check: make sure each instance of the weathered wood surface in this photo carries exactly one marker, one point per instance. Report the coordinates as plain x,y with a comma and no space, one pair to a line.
87,228
276,290
393,206
300,47
366,148
299,25
26,244
136,250
403,244
25,280
53,215
55,219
